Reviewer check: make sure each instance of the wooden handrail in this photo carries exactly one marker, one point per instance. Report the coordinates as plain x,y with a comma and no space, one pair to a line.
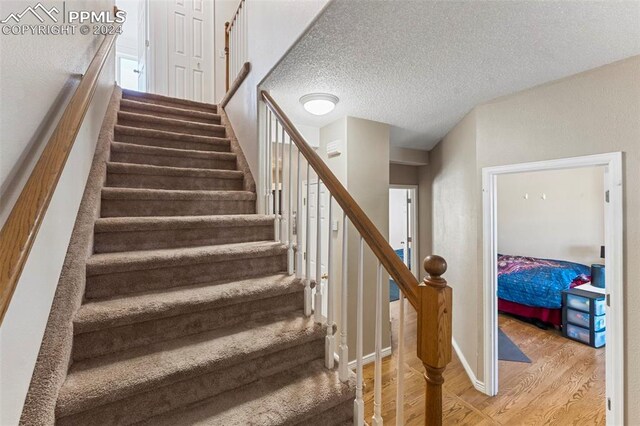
390,260
244,71
22,225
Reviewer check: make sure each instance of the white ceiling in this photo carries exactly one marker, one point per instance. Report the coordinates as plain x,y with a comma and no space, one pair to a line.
420,66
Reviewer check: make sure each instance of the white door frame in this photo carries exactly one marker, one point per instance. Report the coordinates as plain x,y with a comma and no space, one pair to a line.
414,217
614,351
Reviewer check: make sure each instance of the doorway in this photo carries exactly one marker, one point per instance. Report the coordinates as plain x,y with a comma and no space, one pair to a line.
403,229
132,46
613,238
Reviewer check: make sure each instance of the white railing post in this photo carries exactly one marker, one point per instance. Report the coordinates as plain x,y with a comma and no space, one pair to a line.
298,220
289,230
400,367
270,209
284,234
377,391
329,340
307,254
358,404
343,368
277,186
318,299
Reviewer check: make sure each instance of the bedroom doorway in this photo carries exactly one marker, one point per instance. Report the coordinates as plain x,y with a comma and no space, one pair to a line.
612,300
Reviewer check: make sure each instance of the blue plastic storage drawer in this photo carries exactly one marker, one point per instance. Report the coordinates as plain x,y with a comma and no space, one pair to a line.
583,304
583,319
584,335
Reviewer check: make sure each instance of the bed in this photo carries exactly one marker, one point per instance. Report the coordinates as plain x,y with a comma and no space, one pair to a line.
532,288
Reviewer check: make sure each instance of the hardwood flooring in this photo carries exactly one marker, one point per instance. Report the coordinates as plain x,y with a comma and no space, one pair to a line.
563,385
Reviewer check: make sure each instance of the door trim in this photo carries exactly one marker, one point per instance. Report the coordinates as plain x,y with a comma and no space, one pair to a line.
614,349
416,228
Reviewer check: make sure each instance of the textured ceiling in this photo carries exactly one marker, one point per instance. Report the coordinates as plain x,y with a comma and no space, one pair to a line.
420,66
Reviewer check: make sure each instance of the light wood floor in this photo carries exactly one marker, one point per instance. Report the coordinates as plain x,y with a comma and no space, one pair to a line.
564,384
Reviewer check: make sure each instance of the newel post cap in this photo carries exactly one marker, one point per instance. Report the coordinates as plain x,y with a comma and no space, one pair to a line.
435,266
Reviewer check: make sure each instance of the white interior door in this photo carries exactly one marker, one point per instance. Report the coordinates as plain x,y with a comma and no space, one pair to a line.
190,43
313,231
143,44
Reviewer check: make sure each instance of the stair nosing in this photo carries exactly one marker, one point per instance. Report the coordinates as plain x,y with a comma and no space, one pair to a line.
111,193
133,148
152,223
104,314
128,94
118,167
167,135
146,106
139,117
181,348
139,260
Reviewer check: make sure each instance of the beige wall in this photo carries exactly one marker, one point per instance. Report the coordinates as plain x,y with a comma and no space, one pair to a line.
401,174
365,148
37,76
593,112
556,214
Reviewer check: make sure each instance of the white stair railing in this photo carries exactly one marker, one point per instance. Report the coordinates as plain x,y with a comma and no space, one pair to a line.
236,43
282,142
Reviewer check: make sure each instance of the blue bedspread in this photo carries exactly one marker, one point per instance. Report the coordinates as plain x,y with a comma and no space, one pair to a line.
536,282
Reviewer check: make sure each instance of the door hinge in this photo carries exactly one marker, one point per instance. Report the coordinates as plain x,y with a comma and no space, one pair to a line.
608,299
408,200
304,255
409,239
609,404
606,196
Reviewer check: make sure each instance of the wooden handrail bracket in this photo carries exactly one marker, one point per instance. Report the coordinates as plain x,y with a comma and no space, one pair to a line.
393,264
22,225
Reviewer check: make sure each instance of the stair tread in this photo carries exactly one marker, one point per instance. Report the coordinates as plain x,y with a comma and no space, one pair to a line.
148,169
149,223
165,134
290,397
136,116
132,94
141,307
102,263
98,381
171,152
145,106
174,194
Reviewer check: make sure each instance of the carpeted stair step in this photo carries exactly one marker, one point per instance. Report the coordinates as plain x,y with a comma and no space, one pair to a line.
158,156
131,386
119,202
147,233
165,139
169,112
113,274
152,98
125,175
147,121
113,325
309,395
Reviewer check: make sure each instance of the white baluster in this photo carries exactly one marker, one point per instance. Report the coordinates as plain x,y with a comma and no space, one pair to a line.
358,404
329,349
400,367
318,299
284,234
277,186
343,368
307,269
298,222
289,211
270,209
377,391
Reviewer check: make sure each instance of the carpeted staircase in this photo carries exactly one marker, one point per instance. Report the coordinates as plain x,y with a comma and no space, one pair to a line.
189,316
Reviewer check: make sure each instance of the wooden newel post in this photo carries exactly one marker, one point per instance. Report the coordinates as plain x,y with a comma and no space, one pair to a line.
434,334
226,55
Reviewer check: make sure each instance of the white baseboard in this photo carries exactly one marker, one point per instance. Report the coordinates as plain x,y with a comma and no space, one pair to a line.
367,359
479,385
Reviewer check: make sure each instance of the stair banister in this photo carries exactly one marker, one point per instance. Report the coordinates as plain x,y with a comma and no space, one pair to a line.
432,298
21,227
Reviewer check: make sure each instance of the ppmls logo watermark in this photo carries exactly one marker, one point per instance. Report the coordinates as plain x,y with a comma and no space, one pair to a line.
39,20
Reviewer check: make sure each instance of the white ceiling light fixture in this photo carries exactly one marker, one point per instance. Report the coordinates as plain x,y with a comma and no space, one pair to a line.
319,103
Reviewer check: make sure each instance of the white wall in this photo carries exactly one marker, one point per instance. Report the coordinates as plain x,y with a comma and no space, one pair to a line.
555,214
273,27
34,86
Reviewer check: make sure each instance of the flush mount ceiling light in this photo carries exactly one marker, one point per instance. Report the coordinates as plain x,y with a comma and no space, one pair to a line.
319,103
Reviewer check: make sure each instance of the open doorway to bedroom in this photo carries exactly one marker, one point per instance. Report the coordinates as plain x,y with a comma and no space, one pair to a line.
553,284
403,229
